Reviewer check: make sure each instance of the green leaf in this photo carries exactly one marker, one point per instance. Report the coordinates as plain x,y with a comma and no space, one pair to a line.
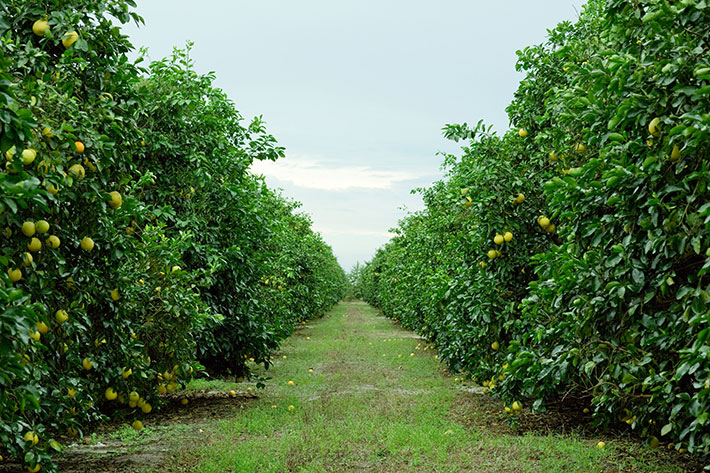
666,428
651,15
55,445
676,129
628,378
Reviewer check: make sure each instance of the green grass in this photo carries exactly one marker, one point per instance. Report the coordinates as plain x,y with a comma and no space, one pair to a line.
199,384
370,406
129,436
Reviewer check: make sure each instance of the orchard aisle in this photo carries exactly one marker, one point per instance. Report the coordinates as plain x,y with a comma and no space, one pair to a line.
377,400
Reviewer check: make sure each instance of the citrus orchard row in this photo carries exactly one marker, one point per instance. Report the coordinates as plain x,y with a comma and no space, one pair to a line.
601,294
137,249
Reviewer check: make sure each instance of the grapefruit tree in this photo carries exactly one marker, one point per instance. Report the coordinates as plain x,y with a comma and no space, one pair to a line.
601,293
130,228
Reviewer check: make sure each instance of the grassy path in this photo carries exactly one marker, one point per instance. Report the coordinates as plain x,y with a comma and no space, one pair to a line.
375,403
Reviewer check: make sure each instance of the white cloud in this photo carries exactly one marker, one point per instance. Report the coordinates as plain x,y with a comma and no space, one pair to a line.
351,231
313,174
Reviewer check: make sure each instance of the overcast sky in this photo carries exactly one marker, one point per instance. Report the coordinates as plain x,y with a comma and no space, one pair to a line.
356,91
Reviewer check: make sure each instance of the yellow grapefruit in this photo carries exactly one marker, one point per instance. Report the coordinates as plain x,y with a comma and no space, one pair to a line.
34,245
61,316
87,244
28,156
70,38
116,200
40,27
14,274
42,226
28,228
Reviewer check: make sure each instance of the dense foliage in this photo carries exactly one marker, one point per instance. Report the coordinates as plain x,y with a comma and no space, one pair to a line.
600,291
131,229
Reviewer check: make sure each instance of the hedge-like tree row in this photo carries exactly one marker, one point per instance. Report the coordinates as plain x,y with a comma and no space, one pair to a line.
137,249
568,259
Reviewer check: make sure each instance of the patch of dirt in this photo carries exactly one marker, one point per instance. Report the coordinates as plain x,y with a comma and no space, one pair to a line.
203,405
560,418
169,433
477,411
339,367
